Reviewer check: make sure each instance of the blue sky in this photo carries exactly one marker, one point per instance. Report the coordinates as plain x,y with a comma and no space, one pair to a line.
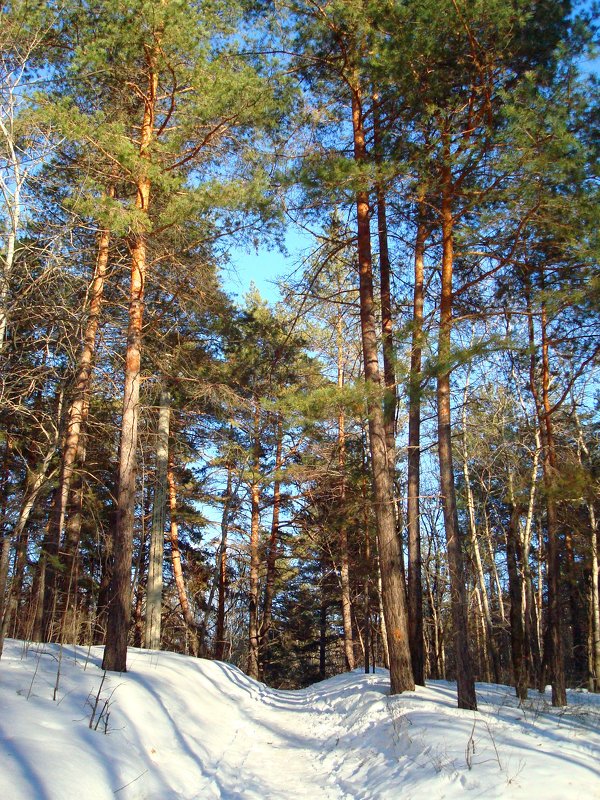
264,266
261,268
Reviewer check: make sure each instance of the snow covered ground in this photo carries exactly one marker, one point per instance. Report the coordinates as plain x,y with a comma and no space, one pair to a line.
178,727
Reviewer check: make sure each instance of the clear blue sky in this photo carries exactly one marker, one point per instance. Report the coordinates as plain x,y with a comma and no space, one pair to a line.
261,268
264,266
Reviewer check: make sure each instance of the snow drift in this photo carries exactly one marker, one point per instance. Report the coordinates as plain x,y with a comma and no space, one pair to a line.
178,727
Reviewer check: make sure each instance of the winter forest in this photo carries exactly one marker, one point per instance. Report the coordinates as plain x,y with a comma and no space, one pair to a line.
398,464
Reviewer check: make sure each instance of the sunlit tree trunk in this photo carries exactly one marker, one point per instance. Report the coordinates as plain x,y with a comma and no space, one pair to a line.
594,637
154,585
184,602
387,321
555,640
76,417
413,522
119,610
458,592
393,589
367,588
382,627
253,633
553,650
595,599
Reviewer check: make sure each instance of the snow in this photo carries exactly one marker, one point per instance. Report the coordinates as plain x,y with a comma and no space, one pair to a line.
179,727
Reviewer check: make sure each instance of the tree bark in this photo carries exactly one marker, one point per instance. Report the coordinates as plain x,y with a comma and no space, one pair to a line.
594,596
553,655
184,602
119,611
516,592
76,418
559,693
595,599
393,589
367,589
532,627
154,585
458,593
413,521
343,530
273,549
253,633
387,321
382,627
222,567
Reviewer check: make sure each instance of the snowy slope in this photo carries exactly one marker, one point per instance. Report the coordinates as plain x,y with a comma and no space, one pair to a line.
180,727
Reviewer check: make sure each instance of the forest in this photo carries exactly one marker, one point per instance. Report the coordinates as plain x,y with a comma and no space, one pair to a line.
398,463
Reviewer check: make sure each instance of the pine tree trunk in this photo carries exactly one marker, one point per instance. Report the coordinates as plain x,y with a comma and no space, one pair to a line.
367,604
553,651
413,521
273,549
532,628
253,649
76,417
119,609
184,603
390,397
387,322
559,694
154,585
458,593
393,589
382,628
594,590
343,531
515,588
222,567
595,599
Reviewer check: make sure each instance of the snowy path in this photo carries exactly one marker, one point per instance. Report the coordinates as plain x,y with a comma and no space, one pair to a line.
279,748
186,729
